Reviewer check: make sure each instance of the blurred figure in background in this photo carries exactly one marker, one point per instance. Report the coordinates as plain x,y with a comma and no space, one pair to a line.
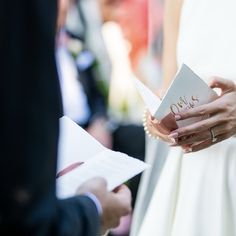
151,70
125,38
82,99
124,105
132,16
124,110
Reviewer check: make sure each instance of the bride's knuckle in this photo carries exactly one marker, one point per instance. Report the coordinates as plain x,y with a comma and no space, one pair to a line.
228,128
202,111
214,80
223,120
203,126
222,107
228,107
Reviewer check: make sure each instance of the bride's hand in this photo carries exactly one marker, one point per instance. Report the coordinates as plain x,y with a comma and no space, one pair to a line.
220,125
156,129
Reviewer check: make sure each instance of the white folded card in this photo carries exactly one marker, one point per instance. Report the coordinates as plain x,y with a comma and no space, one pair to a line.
81,157
186,91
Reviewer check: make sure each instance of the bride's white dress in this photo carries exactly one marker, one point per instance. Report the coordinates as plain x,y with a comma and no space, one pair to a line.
196,193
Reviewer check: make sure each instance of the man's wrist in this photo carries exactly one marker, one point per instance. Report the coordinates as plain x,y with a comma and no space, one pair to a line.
96,202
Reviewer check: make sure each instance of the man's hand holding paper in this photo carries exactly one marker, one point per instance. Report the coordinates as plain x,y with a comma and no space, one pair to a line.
113,204
87,168
90,159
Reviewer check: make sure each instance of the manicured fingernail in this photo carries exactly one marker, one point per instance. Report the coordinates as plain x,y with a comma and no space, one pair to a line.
187,150
172,145
173,141
177,117
173,135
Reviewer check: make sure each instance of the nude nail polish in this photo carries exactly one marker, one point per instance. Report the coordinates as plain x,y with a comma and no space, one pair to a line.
187,150
177,117
173,135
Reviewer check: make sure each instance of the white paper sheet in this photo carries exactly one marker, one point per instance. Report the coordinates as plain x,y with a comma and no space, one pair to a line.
151,100
185,92
76,145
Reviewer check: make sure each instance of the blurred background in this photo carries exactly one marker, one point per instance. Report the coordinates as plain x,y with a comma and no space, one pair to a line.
102,46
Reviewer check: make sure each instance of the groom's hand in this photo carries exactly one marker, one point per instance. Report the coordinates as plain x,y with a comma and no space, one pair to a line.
114,204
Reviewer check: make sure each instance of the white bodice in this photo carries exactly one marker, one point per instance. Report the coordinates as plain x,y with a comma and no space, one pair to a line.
210,50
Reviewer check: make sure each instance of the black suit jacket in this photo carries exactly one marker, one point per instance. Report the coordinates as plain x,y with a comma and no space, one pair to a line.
30,108
97,100
95,88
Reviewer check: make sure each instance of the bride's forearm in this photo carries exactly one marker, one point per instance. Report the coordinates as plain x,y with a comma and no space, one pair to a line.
171,30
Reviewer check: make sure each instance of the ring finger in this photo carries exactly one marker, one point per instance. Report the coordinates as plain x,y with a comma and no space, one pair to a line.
198,137
208,143
203,136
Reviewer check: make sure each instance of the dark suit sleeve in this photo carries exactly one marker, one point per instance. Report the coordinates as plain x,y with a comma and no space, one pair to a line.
30,108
